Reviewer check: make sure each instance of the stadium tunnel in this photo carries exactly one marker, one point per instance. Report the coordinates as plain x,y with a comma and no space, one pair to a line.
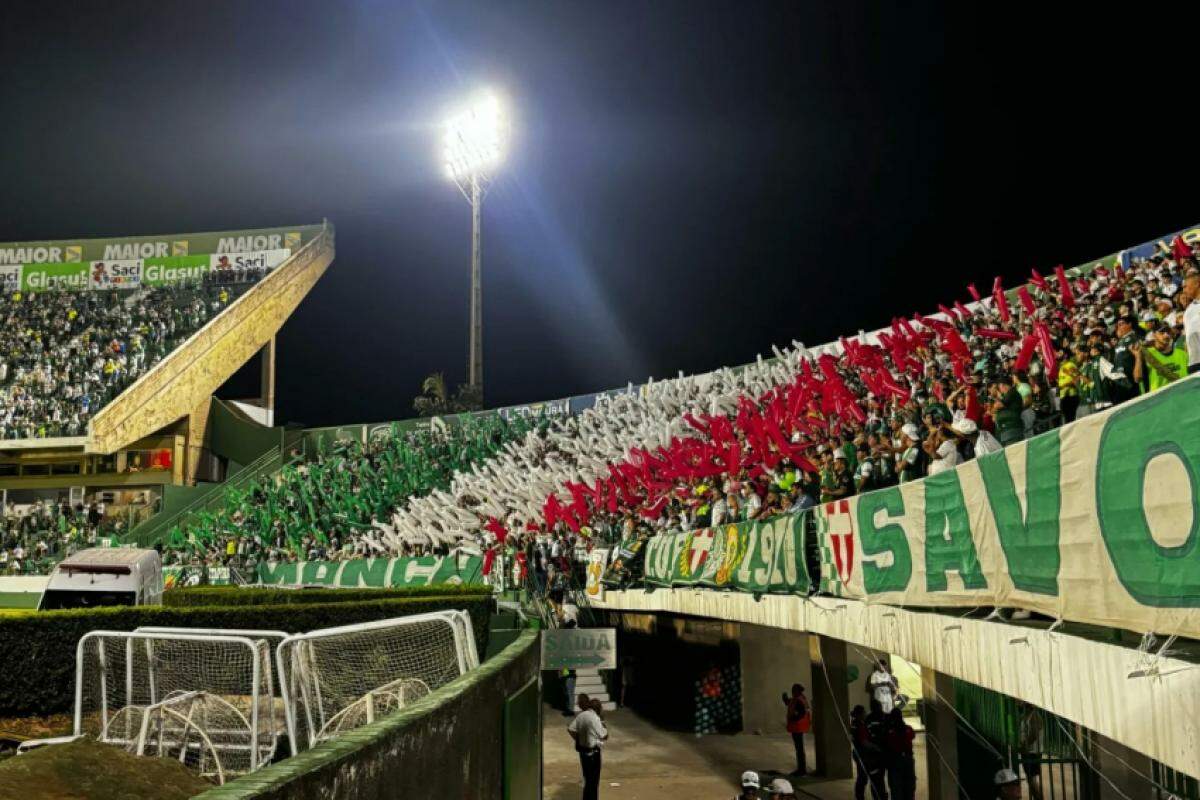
695,673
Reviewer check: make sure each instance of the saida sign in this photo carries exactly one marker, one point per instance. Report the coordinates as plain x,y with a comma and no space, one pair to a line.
576,648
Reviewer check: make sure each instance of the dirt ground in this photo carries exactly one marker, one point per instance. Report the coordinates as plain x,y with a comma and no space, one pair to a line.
88,770
21,728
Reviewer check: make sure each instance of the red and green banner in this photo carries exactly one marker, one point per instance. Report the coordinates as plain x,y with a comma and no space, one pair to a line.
757,557
1096,522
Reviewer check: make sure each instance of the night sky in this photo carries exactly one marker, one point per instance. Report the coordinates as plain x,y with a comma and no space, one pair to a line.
688,183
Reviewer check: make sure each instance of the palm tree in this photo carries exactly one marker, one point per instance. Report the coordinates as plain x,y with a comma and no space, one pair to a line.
432,401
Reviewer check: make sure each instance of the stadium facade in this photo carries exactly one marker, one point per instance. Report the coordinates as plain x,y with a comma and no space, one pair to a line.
165,431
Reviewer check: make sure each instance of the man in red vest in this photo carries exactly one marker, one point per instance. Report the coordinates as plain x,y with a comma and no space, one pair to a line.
799,720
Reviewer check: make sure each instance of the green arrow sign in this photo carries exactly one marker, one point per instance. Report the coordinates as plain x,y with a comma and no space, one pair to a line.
579,647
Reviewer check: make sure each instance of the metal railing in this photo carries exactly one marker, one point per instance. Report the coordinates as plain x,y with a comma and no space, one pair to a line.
150,531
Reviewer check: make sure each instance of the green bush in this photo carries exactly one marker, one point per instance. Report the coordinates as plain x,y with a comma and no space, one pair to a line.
37,650
272,596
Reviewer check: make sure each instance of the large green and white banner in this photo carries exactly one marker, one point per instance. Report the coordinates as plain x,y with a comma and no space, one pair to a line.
755,557
1095,522
375,573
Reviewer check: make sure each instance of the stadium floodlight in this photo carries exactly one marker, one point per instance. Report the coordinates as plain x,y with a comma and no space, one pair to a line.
476,140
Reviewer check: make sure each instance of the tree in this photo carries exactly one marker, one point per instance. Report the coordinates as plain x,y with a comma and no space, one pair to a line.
434,401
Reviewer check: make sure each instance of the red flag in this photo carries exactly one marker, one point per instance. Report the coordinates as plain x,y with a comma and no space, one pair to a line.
654,510
1026,354
949,314
1037,280
996,333
1046,345
1001,300
1064,286
498,530
973,292
1026,301
962,310
1180,249
488,558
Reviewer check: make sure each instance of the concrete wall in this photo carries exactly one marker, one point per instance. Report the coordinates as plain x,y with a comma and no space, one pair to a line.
1127,771
448,745
772,660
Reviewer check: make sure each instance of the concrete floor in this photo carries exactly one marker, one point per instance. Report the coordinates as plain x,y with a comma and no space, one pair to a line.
642,762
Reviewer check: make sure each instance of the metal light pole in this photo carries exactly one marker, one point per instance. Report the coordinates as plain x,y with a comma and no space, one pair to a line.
475,365
474,148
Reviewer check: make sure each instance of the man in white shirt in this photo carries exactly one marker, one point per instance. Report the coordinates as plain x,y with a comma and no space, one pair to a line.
590,734
1191,319
943,452
981,441
883,686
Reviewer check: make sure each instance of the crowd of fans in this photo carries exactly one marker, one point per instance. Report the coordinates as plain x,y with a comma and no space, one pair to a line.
35,536
777,437
922,398
338,505
64,354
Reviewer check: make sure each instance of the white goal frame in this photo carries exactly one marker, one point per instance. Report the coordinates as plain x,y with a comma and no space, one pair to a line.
167,705
292,652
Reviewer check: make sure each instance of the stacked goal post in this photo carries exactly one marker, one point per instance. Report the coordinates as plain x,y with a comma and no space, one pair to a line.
338,679
206,699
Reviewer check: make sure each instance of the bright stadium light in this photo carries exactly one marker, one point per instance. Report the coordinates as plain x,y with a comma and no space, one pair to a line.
475,139
475,142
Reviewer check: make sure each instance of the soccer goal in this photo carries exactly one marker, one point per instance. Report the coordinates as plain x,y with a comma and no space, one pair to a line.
206,699
338,679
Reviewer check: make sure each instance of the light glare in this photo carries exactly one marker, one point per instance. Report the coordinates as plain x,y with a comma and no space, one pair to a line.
476,138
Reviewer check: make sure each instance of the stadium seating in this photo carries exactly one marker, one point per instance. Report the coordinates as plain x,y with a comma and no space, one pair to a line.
35,536
915,398
65,354
339,504
767,436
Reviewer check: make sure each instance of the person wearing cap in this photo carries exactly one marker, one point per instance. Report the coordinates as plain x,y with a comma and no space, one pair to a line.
837,482
1122,385
1160,364
981,442
799,720
750,786
780,789
1008,785
911,464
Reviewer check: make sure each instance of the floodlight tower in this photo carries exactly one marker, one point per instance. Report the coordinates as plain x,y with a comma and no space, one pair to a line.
475,142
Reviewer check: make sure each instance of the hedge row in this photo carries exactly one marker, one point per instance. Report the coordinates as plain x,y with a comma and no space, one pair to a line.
37,651
272,596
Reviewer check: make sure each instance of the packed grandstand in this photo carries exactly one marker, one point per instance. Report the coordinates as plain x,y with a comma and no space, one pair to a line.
65,354
779,435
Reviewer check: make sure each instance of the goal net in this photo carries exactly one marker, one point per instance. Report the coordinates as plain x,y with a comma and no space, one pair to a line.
338,679
206,699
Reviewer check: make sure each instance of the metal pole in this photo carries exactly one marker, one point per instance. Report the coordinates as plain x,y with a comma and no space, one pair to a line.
475,368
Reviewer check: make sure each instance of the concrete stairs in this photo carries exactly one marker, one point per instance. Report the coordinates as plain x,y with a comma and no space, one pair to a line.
589,681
